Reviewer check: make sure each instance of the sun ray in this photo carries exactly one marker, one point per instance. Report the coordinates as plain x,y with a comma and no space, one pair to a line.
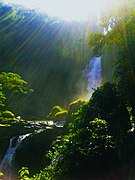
65,9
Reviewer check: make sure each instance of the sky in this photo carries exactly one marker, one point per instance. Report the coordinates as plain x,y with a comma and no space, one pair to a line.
65,9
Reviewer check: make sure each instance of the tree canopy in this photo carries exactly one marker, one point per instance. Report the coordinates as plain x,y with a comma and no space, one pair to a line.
11,85
99,135
119,31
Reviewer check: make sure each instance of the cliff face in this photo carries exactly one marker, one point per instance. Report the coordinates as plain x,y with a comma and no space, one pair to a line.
31,152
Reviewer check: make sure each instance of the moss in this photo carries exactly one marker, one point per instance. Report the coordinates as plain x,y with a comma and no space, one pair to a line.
7,114
61,116
75,105
54,111
1,175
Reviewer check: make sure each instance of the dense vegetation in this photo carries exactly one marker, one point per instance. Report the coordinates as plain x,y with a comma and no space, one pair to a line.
50,54
11,87
100,141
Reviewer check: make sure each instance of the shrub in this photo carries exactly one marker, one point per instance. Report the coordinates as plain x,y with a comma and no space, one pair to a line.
7,114
54,111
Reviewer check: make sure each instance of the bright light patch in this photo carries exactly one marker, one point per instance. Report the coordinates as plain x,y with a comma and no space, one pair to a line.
65,9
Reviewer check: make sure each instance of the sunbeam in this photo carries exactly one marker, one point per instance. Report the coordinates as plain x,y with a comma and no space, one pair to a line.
67,10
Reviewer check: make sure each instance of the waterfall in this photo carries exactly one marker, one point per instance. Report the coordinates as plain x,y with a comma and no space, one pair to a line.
8,158
93,73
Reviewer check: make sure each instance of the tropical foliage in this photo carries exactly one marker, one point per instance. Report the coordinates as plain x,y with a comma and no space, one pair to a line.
99,134
12,85
119,31
96,137
101,137
50,54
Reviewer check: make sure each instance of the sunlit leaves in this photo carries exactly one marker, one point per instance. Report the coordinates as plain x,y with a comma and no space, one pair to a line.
96,42
119,31
23,173
91,142
118,23
12,81
11,86
2,98
1,174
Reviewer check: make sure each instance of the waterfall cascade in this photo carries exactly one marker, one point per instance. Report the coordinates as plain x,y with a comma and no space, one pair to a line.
93,73
6,166
8,158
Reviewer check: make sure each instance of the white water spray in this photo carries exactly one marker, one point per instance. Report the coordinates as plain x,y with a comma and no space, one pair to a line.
13,145
93,73
6,166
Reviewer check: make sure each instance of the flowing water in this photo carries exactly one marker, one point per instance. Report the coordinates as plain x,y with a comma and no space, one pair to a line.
6,166
6,163
93,74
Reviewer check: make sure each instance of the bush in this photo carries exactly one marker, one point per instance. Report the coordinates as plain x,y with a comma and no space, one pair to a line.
75,105
54,111
7,114
95,140
61,116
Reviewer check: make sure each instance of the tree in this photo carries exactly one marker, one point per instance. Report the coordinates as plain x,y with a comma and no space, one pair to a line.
119,30
95,138
12,83
2,98
80,153
106,103
11,86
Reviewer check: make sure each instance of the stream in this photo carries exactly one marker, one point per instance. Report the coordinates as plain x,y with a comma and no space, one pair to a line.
17,142
6,163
